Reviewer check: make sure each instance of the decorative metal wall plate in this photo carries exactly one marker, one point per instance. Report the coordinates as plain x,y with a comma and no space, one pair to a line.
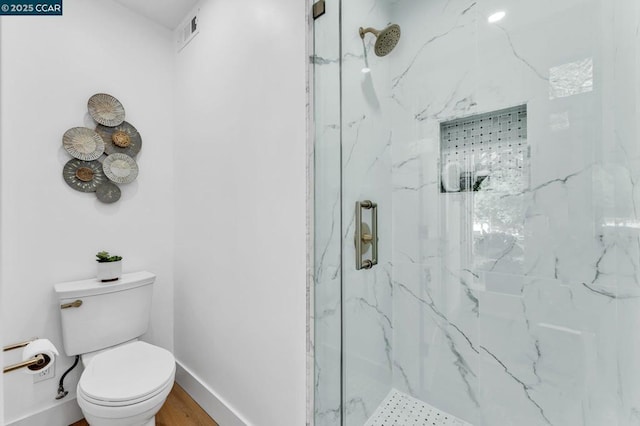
113,136
123,139
106,109
83,176
83,143
120,168
108,192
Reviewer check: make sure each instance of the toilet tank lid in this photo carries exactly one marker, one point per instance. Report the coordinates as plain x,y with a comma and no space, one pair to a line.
93,286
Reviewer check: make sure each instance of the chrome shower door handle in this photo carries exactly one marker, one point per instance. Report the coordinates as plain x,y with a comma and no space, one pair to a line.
365,237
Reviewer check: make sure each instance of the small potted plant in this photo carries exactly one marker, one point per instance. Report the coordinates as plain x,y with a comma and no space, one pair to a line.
109,267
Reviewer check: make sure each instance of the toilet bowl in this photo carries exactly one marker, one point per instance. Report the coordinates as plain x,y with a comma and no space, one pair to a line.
125,386
125,381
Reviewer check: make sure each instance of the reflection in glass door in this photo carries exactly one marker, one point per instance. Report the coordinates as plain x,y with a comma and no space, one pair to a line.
498,140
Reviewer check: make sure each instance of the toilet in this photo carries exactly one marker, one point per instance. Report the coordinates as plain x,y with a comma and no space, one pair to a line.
125,381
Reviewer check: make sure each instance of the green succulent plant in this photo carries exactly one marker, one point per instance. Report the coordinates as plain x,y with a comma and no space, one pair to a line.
104,256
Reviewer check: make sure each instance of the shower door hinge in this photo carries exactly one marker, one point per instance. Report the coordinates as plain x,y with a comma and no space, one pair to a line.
318,9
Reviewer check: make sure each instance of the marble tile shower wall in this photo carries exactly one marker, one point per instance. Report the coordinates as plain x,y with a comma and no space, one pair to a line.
515,307
504,307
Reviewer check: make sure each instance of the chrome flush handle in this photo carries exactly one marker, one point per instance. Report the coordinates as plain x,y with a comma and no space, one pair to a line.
365,237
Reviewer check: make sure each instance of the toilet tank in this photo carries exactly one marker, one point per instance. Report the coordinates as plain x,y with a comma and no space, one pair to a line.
110,313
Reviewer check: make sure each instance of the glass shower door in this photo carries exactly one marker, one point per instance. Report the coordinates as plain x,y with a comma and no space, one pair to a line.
367,294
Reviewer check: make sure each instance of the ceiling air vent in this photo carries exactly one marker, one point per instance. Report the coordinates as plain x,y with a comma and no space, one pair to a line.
188,29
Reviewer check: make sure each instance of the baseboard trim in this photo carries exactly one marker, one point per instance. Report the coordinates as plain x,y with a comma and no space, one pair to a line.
65,412
207,398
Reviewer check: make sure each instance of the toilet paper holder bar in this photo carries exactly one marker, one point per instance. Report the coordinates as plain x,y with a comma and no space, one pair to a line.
38,360
18,345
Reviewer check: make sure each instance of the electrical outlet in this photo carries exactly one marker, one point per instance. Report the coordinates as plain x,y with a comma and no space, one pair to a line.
47,374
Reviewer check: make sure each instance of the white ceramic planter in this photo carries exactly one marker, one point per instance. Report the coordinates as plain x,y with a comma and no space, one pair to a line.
109,271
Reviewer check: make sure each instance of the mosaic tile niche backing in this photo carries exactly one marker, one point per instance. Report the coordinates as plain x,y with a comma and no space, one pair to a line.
485,152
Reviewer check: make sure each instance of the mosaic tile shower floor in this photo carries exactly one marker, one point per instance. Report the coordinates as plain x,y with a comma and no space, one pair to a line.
401,409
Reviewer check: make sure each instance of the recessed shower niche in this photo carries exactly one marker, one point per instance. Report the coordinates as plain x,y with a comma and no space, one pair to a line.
485,152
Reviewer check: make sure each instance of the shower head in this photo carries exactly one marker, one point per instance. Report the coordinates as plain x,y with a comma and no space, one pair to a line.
386,39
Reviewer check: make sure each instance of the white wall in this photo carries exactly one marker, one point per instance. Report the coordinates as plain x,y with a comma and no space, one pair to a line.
240,207
50,66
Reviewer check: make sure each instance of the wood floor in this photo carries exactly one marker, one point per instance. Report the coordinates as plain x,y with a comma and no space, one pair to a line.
179,410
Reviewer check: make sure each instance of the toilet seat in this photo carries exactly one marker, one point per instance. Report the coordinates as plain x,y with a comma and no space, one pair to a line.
127,375
143,398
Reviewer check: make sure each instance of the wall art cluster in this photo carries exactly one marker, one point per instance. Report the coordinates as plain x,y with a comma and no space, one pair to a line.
105,157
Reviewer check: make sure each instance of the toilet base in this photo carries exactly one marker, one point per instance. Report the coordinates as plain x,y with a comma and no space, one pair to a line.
151,422
144,418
